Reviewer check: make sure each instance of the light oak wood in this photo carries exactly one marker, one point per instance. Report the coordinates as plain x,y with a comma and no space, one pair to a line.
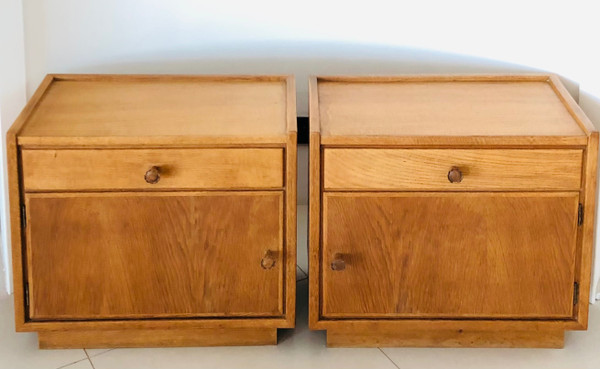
290,257
462,108
14,198
574,109
161,255
587,231
76,170
314,230
443,255
252,115
391,119
157,338
456,141
160,106
422,169
446,338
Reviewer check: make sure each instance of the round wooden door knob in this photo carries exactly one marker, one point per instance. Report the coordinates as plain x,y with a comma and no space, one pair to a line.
152,176
338,263
268,261
455,175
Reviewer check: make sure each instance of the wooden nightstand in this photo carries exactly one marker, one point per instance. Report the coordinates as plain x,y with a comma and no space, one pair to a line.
449,210
154,210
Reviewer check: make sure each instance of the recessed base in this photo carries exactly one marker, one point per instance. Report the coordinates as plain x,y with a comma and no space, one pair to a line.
157,338
445,338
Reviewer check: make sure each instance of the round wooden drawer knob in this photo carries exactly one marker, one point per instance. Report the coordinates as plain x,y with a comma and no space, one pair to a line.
338,263
455,175
268,261
152,176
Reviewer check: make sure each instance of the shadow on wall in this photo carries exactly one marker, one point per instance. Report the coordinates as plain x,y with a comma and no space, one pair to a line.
301,59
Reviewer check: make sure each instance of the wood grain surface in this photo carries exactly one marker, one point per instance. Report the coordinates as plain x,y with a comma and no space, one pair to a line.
113,169
445,338
160,106
443,108
427,169
158,338
494,255
132,255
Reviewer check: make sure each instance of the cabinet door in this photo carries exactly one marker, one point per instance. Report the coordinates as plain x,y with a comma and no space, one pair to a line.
469,255
154,255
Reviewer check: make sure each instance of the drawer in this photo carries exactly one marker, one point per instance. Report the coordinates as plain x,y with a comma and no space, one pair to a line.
138,169
154,255
469,169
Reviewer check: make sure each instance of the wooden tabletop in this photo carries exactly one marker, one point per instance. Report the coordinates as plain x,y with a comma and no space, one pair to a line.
444,107
151,106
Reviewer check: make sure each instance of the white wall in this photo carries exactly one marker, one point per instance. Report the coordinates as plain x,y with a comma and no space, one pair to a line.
311,37
12,100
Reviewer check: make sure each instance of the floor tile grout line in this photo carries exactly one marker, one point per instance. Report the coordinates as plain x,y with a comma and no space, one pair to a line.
88,357
74,362
389,358
302,270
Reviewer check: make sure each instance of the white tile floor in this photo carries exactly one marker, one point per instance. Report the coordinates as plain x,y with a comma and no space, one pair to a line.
298,348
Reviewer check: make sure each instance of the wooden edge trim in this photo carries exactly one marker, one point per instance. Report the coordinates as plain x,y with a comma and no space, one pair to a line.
31,105
291,227
455,141
90,325
176,77
313,105
571,105
314,231
437,324
590,183
157,338
292,120
446,338
14,199
149,141
529,77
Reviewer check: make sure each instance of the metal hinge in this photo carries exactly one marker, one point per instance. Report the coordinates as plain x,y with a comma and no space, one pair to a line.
580,215
23,217
575,293
27,294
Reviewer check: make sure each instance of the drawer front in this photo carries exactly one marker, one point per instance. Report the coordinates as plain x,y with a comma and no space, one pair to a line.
454,255
154,255
108,169
472,169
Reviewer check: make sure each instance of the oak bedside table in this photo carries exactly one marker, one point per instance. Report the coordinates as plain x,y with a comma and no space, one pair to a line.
154,210
449,210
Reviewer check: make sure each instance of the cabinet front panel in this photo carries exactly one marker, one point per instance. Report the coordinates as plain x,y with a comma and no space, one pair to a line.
455,255
132,255
430,169
117,169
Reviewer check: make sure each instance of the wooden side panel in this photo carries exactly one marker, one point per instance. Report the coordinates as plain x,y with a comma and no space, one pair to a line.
477,255
314,231
290,229
72,170
14,199
101,256
586,231
427,169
